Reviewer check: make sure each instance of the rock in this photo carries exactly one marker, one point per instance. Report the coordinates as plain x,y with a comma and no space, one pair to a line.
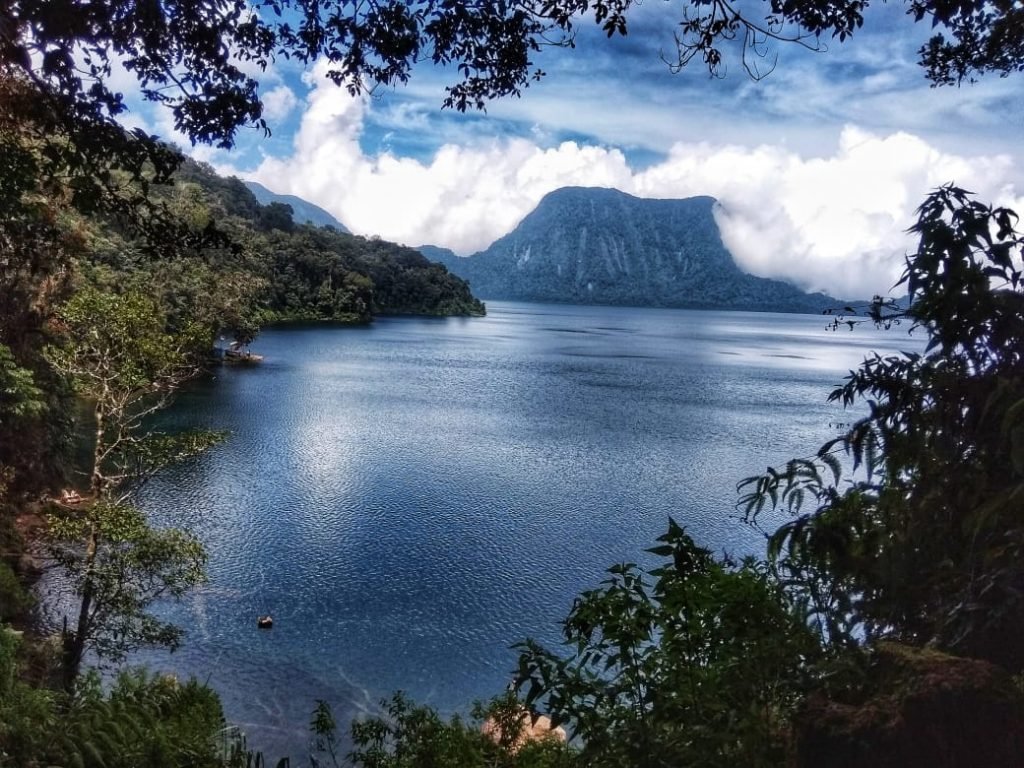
602,246
530,730
915,709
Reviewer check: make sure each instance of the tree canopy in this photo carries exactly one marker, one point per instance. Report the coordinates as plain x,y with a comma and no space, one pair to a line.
694,662
118,353
202,60
195,57
925,544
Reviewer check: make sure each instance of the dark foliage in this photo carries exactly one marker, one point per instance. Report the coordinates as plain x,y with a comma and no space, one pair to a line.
926,543
139,720
696,662
913,708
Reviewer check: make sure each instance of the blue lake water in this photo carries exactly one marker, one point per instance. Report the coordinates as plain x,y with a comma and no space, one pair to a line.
408,499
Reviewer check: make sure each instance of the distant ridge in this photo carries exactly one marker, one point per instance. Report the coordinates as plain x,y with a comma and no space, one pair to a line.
584,245
303,211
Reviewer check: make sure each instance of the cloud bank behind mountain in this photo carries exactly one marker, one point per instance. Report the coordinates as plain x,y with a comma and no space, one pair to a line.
834,222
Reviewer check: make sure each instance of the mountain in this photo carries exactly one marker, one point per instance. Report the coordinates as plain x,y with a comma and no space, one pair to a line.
601,246
440,255
279,270
303,211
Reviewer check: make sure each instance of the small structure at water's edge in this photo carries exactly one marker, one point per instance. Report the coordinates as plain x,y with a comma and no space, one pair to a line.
236,353
265,622
239,353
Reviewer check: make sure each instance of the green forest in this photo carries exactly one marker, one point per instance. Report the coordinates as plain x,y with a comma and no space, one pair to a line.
252,265
881,627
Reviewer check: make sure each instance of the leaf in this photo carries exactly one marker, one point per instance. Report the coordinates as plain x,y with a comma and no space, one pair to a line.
663,550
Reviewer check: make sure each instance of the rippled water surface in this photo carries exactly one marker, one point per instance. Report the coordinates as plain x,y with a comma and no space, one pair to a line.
410,498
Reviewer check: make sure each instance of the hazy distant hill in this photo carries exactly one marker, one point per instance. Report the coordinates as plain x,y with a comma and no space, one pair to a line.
439,254
602,246
303,211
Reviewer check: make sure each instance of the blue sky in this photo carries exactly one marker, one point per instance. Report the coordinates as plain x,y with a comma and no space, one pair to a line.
818,167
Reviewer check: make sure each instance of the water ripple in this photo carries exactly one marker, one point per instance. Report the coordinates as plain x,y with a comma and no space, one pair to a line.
409,499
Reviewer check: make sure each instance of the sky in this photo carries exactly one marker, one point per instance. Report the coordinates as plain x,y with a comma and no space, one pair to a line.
817,168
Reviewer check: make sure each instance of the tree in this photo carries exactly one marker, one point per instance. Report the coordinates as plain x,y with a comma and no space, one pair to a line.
971,39
19,396
275,216
121,358
37,245
135,720
195,58
695,662
192,57
921,536
20,399
411,736
124,567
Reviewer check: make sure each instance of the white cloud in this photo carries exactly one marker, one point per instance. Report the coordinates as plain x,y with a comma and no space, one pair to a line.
835,221
279,102
464,198
404,116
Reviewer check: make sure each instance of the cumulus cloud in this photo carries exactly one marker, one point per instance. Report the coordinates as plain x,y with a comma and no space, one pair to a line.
835,223
463,198
279,102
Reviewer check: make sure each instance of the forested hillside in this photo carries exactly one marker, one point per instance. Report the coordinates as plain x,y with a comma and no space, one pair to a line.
303,272
258,266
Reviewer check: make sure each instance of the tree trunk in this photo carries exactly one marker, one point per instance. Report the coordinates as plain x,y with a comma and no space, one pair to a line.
96,478
74,643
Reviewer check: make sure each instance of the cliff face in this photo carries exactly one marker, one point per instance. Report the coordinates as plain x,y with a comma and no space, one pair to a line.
602,246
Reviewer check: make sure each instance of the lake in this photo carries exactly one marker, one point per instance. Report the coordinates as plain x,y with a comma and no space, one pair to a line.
408,499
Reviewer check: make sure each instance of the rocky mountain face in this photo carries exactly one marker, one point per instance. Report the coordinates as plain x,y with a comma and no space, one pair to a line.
602,246
303,211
